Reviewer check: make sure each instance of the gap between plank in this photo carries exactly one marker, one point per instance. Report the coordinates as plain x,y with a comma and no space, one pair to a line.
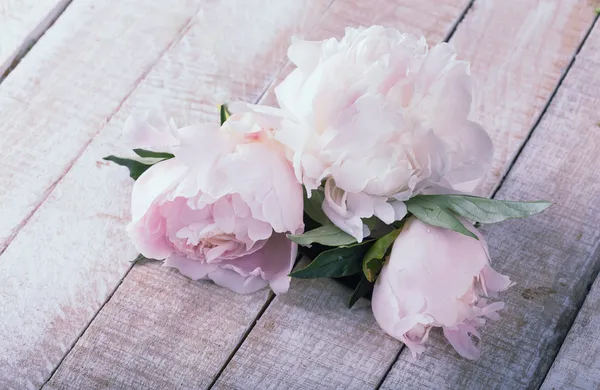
35,36
545,108
51,188
244,336
186,26
595,272
110,295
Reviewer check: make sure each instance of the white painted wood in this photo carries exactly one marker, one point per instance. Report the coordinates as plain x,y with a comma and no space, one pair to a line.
22,22
577,365
160,330
56,275
63,263
309,339
553,257
67,86
518,49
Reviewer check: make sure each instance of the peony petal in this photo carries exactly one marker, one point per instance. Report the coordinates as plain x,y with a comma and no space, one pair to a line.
460,338
416,338
235,282
472,158
265,180
274,261
493,281
149,235
193,269
153,183
304,54
200,148
287,93
258,230
400,210
152,130
350,224
223,214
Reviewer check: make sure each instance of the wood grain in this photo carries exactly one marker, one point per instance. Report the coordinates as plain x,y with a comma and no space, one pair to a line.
295,350
577,365
518,50
84,261
129,346
58,272
22,22
553,257
490,44
64,90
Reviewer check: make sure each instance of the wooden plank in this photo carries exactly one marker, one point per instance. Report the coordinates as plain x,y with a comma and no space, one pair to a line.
42,316
320,344
553,257
128,345
518,49
63,91
22,22
577,365
490,44
57,274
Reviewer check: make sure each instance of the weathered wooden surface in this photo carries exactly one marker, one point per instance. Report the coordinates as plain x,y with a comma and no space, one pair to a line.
518,50
577,365
295,351
160,330
67,86
22,22
496,57
158,333
57,272
553,257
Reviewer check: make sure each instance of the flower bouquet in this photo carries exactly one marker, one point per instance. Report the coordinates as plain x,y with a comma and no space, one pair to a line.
366,167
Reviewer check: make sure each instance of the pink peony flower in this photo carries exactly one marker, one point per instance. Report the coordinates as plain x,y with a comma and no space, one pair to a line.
379,117
436,277
221,208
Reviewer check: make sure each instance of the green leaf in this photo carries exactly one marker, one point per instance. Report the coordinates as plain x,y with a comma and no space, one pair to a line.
335,263
224,112
371,222
374,258
313,207
136,168
150,154
363,288
435,215
139,258
486,210
329,235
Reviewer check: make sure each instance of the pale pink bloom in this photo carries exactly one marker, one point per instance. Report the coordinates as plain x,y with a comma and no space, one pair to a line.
436,277
380,117
221,208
